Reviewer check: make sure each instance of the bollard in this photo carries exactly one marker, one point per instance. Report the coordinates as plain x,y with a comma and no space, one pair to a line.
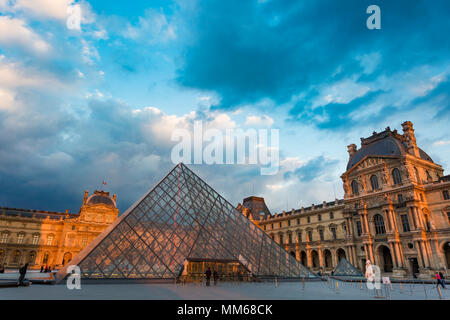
337,286
276,282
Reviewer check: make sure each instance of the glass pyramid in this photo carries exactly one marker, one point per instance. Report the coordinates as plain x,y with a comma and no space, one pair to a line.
182,218
345,268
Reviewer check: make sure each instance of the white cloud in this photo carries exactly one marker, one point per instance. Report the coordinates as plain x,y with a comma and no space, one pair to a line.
15,33
260,121
154,27
53,9
441,143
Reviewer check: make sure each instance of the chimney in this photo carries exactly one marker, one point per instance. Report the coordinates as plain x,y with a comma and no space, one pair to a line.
352,149
86,193
408,134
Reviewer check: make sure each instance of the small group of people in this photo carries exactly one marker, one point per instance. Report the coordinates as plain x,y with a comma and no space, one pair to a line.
46,269
440,280
208,274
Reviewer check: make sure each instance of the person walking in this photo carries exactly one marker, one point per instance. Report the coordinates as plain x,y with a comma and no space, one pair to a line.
439,280
23,272
215,277
42,269
208,276
442,279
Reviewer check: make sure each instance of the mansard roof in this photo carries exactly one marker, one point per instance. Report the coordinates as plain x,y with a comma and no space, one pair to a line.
386,143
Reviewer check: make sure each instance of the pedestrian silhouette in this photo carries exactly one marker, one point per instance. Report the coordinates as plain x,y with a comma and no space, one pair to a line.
208,276
23,272
215,276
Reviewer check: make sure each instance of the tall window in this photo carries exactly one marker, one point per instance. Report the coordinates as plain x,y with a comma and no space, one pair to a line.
400,198
281,224
45,259
379,224
319,217
333,232
309,235
445,195
331,215
308,219
416,172
448,216
298,221
4,237
321,235
405,223
374,182
358,228
35,240
299,237
20,238
264,227
85,240
355,188
429,179
289,223
50,239
290,238
397,176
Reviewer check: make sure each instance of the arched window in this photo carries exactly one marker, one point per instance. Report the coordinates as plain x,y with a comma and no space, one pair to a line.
416,172
429,179
355,188
397,176
374,182
379,224
46,257
16,256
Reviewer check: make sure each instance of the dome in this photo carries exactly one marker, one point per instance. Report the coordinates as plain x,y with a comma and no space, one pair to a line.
100,197
386,143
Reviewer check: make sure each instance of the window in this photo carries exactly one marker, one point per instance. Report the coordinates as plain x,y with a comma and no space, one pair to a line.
308,219
84,242
379,224
309,235
331,215
319,217
333,232
50,239
416,172
397,176
374,182
46,257
405,223
20,238
429,179
289,223
272,236
298,221
299,237
35,240
264,227
400,198
421,197
355,188
272,226
445,195
290,238
4,237
358,228
448,216
321,235
281,224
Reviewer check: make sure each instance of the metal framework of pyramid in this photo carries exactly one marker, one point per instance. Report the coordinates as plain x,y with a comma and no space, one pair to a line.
346,269
182,218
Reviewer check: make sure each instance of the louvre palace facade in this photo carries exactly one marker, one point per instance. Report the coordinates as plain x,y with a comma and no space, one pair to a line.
395,212
53,238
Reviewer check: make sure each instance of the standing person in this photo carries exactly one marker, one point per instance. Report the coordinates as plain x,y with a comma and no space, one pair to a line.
2,269
215,276
442,279
208,276
23,272
42,269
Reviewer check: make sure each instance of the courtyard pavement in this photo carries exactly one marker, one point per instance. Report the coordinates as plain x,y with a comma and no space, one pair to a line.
226,291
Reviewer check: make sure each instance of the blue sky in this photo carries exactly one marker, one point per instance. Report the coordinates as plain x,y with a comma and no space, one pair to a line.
81,106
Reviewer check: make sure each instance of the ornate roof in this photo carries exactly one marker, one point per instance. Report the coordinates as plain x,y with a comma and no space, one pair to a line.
101,197
386,143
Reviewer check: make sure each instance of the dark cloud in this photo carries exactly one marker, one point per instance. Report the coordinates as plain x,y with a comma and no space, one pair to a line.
246,50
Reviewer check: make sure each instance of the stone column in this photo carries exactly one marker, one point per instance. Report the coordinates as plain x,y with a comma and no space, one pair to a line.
393,254
297,252
420,259
411,217
426,259
321,264
308,256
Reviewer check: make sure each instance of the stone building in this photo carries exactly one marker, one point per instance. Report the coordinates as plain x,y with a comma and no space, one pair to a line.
53,238
395,212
